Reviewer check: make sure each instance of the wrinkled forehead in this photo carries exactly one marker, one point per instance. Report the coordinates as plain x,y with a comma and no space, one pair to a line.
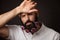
28,13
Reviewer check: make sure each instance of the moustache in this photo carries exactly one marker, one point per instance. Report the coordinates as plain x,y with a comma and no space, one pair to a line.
28,22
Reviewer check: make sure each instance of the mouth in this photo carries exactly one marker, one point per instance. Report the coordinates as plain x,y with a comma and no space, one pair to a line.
28,23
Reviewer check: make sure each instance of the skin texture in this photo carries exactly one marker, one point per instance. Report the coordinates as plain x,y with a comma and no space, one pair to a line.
29,22
27,6
27,16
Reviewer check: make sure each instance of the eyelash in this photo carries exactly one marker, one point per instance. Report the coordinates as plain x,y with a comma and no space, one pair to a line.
28,14
23,15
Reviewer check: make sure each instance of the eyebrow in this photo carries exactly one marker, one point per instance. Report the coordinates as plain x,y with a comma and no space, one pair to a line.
27,13
21,13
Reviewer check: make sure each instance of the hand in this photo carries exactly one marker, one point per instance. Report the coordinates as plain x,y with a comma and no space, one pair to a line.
26,6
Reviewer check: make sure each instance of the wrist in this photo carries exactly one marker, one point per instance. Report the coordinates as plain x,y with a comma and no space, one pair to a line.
18,10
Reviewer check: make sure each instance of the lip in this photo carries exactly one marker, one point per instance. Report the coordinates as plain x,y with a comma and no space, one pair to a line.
28,23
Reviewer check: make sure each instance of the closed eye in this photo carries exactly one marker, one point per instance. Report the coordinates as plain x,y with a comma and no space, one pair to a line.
22,15
30,14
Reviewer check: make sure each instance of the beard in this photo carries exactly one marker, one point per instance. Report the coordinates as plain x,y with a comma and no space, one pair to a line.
31,27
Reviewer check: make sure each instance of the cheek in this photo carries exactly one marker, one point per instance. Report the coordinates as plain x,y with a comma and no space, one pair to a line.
32,18
23,20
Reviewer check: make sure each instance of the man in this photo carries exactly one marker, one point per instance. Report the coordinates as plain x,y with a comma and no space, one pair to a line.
31,28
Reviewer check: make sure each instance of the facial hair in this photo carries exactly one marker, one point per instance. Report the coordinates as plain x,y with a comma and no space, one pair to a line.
31,27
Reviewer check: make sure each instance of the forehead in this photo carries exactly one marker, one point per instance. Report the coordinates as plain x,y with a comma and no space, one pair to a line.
28,13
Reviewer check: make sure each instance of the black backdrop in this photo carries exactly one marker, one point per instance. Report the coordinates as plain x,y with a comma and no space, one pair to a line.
49,12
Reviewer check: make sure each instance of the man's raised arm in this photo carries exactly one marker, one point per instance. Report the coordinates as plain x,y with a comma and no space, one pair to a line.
25,6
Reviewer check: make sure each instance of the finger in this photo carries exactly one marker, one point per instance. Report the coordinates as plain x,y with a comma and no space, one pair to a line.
23,3
30,0
35,4
25,0
33,10
31,6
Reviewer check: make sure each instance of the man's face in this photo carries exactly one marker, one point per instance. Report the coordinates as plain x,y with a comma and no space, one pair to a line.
27,18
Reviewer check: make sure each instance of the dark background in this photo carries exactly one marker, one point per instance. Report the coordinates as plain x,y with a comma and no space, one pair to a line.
49,12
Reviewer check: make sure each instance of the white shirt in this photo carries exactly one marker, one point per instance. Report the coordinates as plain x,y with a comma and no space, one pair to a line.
44,33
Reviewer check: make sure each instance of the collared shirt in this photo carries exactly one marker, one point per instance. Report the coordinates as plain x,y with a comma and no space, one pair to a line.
44,33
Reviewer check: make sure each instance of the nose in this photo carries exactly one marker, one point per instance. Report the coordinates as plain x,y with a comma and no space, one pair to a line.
27,17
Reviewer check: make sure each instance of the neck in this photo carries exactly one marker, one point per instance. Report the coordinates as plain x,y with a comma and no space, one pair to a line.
38,26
